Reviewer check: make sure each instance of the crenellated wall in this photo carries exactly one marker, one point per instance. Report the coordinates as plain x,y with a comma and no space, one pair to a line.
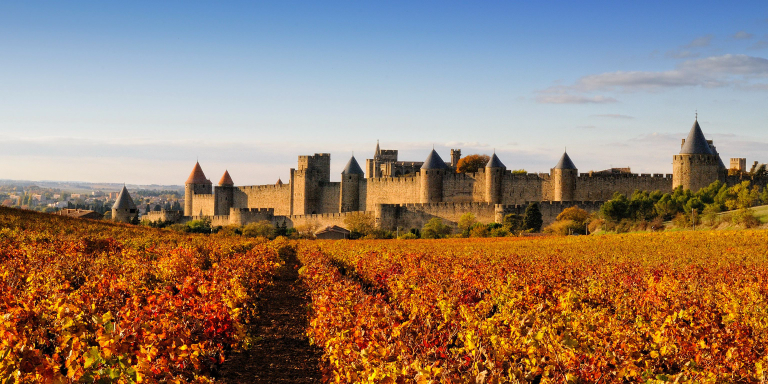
602,187
329,197
204,203
390,190
277,197
464,187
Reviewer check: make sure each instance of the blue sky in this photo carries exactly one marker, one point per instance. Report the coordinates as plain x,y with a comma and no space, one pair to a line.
136,91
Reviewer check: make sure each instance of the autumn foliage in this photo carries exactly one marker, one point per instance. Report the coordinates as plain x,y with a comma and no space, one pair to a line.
471,163
87,301
686,307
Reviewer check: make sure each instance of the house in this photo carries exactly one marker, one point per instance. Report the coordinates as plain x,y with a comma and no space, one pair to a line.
333,232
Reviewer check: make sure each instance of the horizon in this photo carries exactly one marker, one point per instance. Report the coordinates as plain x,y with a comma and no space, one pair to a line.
135,93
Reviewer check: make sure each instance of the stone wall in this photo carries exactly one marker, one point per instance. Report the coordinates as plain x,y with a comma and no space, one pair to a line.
319,220
329,198
163,215
602,187
464,187
277,197
518,188
203,203
549,209
396,190
407,216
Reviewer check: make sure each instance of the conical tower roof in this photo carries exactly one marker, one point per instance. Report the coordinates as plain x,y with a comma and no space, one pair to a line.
494,162
352,168
565,162
434,161
197,176
124,200
696,143
279,181
226,180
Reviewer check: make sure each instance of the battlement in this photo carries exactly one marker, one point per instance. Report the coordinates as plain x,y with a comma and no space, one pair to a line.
625,175
468,205
258,188
526,176
324,216
393,180
265,211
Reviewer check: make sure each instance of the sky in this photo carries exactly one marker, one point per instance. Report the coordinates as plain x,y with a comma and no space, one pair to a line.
137,91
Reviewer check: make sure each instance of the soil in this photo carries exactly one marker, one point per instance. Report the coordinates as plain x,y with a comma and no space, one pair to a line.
283,354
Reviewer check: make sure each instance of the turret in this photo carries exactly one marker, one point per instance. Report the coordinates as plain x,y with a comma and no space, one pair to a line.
564,176
432,178
197,183
698,163
225,194
494,173
124,209
350,186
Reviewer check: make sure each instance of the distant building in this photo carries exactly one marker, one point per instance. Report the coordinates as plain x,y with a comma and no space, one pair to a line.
739,164
333,232
79,213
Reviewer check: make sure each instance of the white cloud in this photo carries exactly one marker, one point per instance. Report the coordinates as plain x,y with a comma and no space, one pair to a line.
742,35
703,41
565,98
716,71
681,54
614,116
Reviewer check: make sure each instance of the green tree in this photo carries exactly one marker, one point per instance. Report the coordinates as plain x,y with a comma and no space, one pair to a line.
360,224
261,228
532,219
435,229
466,222
514,222
615,210
764,195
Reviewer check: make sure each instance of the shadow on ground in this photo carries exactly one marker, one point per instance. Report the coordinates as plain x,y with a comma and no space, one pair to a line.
283,355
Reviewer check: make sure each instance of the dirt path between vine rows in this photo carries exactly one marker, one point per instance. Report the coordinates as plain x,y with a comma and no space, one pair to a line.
283,355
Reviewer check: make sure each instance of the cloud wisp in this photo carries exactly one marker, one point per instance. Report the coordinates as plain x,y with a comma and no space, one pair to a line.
742,35
715,71
699,42
615,116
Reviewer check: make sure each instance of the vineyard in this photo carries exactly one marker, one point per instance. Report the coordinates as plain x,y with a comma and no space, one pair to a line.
685,307
87,301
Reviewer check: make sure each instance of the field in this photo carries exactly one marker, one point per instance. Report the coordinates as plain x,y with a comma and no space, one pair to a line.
86,301
667,307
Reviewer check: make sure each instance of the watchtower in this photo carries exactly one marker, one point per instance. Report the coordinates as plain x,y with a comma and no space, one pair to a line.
432,171
494,173
225,194
350,186
698,164
564,176
124,209
197,183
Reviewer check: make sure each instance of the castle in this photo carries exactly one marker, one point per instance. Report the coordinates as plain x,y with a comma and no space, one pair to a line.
406,194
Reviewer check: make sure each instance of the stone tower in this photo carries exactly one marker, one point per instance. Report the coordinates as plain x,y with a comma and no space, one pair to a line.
698,163
432,172
225,195
564,176
455,157
197,183
494,173
313,170
350,186
124,209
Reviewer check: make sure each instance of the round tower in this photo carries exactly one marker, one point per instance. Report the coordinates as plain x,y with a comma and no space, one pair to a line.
350,186
197,183
697,165
494,173
124,209
225,194
564,176
431,173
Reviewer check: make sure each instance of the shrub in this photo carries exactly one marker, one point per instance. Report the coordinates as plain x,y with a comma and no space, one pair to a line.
408,236
682,220
435,229
532,220
479,230
745,218
259,229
